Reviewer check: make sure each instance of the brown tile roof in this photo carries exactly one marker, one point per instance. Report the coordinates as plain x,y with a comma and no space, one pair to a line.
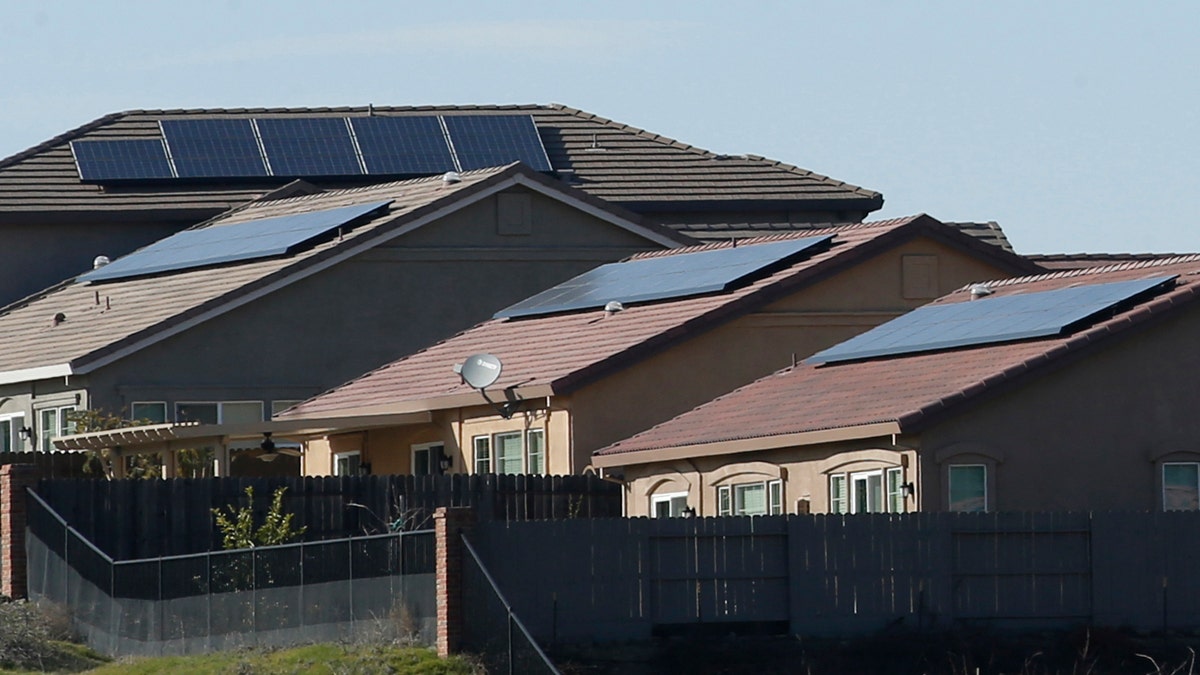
104,320
908,390
557,353
989,232
614,161
1075,261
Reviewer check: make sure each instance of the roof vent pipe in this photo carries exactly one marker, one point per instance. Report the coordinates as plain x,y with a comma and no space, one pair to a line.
980,291
451,177
100,261
613,307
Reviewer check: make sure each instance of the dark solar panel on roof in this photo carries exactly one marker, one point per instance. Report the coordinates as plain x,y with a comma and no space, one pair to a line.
402,145
660,278
221,244
988,320
481,141
138,159
213,148
308,146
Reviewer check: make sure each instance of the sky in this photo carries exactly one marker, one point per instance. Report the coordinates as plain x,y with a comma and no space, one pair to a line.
1072,124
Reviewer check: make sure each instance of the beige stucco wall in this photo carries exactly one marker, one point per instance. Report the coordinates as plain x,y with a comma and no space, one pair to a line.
1091,434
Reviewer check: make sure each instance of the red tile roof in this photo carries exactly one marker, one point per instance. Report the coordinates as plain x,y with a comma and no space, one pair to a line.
557,353
908,390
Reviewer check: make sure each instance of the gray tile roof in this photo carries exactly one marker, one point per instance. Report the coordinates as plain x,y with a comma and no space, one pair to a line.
628,166
104,320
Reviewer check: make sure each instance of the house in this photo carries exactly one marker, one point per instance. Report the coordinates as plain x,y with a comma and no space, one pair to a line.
1073,390
282,298
631,344
127,179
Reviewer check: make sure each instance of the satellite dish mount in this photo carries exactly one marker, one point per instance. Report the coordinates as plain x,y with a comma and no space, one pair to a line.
480,371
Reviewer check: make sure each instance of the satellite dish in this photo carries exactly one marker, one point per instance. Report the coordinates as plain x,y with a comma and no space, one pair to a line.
481,370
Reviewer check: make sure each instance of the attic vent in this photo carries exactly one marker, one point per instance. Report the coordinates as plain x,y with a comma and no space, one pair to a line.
451,177
58,318
980,291
100,261
613,306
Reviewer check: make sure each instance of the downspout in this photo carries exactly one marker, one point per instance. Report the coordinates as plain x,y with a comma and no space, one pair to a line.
699,487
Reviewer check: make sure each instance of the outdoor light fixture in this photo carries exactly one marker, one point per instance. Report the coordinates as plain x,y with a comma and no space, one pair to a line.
688,512
444,462
26,433
907,489
364,469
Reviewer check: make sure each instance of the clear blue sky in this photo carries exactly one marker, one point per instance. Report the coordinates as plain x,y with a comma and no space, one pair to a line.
1072,124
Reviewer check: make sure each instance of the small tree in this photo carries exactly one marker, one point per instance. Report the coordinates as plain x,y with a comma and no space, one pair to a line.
237,525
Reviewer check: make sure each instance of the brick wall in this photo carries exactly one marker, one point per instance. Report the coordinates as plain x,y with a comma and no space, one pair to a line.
449,525
14,479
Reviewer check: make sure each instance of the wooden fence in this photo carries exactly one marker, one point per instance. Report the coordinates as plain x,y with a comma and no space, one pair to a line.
846,575
50,464
131,519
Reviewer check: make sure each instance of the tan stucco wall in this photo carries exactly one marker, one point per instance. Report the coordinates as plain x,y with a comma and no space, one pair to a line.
804,474
1089,435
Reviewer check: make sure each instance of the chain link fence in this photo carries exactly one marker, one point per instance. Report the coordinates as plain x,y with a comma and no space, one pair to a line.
378,587
491,629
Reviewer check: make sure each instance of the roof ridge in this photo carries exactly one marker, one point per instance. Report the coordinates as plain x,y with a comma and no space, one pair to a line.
61,138
813,174
1086,271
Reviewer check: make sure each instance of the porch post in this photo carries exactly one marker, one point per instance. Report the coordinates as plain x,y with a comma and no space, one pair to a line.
15,479
449,524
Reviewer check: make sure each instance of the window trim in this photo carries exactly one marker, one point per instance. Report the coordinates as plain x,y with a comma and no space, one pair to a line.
846,505
1163,482
487,447
165,410
987,496
16,441
492,458
346,455
667,497
727,498
529,433
221,407
45,441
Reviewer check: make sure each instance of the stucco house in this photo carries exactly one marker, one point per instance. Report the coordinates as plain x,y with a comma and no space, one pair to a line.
595,360
126,179
282,298
1073,390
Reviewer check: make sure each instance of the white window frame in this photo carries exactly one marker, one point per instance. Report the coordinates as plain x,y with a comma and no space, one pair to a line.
16,442
839,504
727,498
133,416
221,407
338,456
432,459
895,500
667,498
529,455
847,503
483,451
866,476
46,437
987,497
1163,483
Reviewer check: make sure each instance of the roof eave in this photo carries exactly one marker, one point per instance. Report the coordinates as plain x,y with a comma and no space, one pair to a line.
736,446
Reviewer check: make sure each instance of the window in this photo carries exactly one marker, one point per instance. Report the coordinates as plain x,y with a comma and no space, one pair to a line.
347,463
55,422
750,499
154,412
426,458
839,500
535,445
895,491
10,433
668,505
219,412
483,454
968,487
1181,486
864,492
279,406
511,452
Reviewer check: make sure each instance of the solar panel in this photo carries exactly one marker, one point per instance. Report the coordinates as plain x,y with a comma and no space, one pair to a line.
402,145
671,276
140,159
220,244
214,148
481,141
988,320
308,146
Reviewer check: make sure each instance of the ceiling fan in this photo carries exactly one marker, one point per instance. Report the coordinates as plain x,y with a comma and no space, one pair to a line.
270,453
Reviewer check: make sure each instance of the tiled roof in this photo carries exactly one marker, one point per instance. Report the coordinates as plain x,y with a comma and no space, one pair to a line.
564,351
106,319
909,390
614,161
989,232
1075,261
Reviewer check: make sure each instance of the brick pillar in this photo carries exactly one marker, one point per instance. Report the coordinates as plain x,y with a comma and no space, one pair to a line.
14,479
449,524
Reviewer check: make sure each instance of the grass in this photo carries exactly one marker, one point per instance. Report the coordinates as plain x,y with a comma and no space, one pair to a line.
318,659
